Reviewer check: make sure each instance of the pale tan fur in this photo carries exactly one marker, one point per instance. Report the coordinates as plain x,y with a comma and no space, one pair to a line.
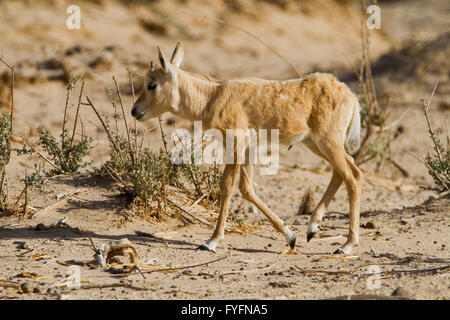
317,110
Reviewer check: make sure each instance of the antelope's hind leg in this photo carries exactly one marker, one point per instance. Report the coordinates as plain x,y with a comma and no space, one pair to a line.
320,210
226,188
344,165
322,206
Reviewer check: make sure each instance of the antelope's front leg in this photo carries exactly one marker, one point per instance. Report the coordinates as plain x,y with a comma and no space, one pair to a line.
226,188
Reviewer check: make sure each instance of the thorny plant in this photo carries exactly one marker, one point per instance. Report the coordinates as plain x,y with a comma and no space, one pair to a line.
437,163
12,206
67,154
146,177
373,113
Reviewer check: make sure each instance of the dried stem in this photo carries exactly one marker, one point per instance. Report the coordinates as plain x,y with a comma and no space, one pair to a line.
163,135
136,154
426,106
65,118
130,75
25,203
124,120
187,267
39,153
76,115
190,214
105,126
258,39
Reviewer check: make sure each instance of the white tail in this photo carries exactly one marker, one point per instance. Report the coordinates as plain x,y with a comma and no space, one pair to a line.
353,136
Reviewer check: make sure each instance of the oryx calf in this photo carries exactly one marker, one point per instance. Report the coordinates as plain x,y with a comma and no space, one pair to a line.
317,110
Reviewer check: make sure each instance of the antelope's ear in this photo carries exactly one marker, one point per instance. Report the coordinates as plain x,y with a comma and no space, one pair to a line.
177,55
165,64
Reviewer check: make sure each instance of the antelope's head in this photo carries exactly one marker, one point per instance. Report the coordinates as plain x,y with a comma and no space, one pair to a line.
160,92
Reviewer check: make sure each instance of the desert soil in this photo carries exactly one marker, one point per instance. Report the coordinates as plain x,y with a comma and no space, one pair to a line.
404,227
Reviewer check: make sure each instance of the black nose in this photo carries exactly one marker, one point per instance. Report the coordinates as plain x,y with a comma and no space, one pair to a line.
133,111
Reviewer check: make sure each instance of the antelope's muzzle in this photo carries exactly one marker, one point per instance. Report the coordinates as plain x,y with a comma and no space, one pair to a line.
137,113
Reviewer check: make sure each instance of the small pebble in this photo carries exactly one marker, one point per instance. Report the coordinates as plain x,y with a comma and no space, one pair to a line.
401,292
26,287
371,225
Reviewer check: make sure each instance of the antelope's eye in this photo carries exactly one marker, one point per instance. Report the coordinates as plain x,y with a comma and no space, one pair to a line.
151,86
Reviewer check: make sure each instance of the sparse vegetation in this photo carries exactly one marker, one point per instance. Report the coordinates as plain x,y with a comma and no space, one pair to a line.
66,155
6,131
12,206
128,224
377,134
437,163
5,154
373,113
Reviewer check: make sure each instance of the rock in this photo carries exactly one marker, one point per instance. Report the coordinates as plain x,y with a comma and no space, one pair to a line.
26,287
280,284
401,292
51,64
153,27
21,244
73,50
103,62
444,106
370,225
41,227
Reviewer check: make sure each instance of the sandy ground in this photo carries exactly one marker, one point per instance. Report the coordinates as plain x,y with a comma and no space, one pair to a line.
407,237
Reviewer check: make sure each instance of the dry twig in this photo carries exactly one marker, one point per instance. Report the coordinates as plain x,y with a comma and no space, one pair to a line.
258,39
185,267
54,205
190,214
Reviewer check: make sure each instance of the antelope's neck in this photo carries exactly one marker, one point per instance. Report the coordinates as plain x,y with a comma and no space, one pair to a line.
196,91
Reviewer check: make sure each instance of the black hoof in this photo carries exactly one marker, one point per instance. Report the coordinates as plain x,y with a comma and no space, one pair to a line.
338,251
310,235
292,242
204,247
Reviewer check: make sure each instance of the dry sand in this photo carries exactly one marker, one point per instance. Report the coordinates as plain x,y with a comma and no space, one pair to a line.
406,237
